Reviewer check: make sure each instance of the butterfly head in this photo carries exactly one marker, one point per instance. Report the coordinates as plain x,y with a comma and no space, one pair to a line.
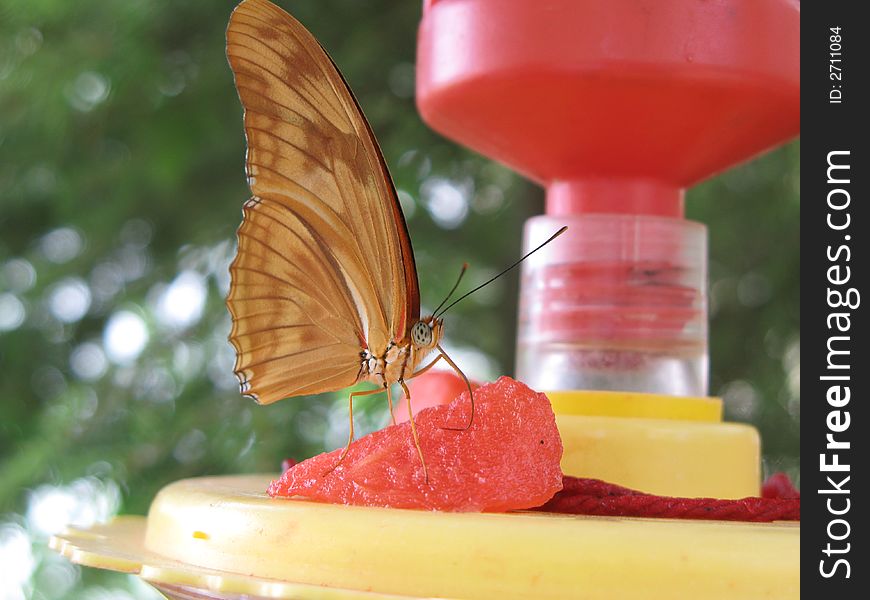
426,333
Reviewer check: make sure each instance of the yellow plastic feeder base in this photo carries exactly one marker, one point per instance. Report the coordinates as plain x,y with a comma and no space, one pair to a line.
666,445
222,536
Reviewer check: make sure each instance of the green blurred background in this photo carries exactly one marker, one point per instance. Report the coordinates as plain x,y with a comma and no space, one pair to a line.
121,184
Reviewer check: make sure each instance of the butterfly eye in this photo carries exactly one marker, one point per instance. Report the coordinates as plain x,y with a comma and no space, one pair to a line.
421,334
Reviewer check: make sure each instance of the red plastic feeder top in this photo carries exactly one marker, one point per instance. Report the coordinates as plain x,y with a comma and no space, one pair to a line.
615,106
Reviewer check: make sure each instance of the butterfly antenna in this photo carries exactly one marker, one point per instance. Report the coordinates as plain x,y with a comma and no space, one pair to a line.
490,280
453,289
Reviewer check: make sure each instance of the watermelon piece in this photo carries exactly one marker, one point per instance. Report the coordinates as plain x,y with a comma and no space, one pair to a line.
433,388
508,459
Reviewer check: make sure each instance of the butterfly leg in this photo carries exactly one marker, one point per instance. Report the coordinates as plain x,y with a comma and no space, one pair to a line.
350,435
414,428
467,384
426,368
423,370
417,374
390,402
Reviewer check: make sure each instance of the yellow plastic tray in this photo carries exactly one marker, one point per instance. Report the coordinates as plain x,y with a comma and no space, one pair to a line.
225,536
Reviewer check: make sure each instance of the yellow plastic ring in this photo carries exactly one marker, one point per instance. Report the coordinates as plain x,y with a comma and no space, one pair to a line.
636,405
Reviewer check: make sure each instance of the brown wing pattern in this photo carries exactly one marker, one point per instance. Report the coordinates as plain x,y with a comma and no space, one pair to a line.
324,266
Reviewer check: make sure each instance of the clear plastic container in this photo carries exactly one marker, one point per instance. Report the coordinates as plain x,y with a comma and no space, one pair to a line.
618,302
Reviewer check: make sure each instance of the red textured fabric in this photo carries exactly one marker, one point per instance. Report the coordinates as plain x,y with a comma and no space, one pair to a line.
581,496
779,485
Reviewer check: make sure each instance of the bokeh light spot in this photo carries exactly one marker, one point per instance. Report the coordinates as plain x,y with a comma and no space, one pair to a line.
741,399
753,290
69,300
137,233
84,502
489,200
181,304
16,559
133,261
48,382
88,90
57,574
409,205
28,41
446,200
18,275
107,279
125,337
187,360
12,312
88,361
156,384
61,245
220,366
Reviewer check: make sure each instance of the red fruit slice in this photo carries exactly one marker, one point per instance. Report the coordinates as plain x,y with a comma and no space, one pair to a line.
431,389
508,459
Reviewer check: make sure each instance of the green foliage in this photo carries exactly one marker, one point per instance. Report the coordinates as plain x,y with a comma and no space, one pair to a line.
753,216
121,183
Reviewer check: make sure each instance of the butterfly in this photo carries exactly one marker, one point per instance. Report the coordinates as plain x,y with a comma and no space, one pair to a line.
324,291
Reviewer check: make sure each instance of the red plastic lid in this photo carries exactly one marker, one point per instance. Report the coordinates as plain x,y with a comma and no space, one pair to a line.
615,105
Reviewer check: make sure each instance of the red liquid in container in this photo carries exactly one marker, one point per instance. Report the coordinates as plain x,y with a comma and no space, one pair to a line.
616,302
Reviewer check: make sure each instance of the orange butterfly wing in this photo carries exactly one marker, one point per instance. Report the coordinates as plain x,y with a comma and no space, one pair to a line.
324,267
